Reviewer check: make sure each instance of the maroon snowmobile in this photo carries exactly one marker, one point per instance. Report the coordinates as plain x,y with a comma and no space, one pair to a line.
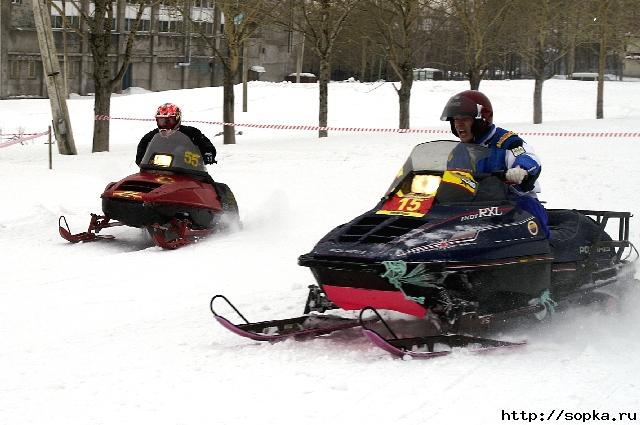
172,196
454,248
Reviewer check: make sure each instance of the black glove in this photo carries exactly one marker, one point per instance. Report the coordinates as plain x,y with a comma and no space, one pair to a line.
208,158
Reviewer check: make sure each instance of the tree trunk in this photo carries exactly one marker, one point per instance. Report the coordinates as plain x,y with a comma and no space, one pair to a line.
103,87
102,108
474,79
363,61
228,111
404,96
228,99
600,97
217,17
537,100
602,61
324,95
571,58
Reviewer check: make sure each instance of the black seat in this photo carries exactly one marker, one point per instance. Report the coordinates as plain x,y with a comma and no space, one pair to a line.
572,234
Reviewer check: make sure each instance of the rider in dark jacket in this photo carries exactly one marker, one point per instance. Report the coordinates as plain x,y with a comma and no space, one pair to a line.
168,117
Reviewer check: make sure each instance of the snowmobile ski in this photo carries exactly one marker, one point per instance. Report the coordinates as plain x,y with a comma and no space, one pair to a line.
97,223
431,346
308,325
176,233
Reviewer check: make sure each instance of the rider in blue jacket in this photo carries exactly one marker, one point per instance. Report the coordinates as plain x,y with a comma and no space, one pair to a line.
471,117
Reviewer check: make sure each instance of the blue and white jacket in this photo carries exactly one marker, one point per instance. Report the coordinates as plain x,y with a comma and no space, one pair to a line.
508,150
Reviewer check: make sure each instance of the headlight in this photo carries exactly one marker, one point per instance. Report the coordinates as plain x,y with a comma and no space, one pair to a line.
162,160
425,184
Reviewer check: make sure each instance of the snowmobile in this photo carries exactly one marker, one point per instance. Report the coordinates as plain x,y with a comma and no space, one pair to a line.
172,196
453,246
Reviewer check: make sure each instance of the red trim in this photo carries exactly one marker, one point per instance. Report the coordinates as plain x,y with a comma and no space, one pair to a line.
349,298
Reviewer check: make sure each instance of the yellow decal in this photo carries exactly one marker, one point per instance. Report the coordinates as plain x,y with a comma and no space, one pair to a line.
164,180
504,137
533,227
460,178
191,158
129,194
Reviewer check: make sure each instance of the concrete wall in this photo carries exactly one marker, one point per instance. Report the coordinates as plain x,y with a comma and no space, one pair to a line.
156,63
4,33
632,59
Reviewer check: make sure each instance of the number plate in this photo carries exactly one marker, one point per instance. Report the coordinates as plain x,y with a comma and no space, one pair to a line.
407,206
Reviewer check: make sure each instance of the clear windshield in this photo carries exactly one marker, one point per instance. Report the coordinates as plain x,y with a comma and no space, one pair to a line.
173,151
439,156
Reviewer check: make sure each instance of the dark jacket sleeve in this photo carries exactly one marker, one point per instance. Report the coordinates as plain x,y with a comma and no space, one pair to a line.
144,143
199,139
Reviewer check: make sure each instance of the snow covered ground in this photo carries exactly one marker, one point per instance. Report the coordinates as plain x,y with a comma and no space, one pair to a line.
120,332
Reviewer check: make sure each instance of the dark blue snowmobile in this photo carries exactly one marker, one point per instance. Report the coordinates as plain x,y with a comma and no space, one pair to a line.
451,245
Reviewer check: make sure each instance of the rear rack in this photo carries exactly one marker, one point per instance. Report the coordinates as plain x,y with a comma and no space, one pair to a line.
602,218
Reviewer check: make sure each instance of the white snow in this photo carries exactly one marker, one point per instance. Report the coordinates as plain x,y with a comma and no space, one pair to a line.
120,332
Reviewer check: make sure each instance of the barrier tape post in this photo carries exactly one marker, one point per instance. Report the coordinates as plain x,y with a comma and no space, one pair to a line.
50,148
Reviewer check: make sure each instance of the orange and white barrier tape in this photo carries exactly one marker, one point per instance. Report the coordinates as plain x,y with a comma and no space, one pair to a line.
20,138
387,130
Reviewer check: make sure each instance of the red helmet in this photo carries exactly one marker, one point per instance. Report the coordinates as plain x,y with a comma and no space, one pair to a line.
469,103
168,116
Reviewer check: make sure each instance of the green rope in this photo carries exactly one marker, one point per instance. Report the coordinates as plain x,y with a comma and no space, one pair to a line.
396,274
546,302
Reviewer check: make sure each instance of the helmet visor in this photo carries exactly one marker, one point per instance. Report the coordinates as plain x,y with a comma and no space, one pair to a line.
166,123
460,106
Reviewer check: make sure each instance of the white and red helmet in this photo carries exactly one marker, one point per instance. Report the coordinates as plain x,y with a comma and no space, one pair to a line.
168,116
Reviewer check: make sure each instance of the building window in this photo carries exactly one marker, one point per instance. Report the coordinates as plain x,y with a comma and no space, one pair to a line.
73,69
170,26
72,21
31,69
144,26
22,69
204,4
14,70
16,1
203,27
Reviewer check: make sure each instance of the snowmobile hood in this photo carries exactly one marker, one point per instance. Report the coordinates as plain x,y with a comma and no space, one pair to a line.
438,210
164,188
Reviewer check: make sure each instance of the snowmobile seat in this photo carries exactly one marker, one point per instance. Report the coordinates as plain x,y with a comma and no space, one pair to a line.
572,234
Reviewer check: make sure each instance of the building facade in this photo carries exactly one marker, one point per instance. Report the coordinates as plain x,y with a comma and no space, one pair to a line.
170,51
632,58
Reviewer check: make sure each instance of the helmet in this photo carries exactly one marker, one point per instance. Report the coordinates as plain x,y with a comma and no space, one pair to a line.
168,116
470,103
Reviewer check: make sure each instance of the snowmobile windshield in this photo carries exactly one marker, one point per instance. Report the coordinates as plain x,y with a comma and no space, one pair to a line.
439,156
173,151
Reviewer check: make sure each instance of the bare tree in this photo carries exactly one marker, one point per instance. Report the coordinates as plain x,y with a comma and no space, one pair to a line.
397,23
542,43
242,20
483,23
613,22
321,21
574,33
604,35
98,25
